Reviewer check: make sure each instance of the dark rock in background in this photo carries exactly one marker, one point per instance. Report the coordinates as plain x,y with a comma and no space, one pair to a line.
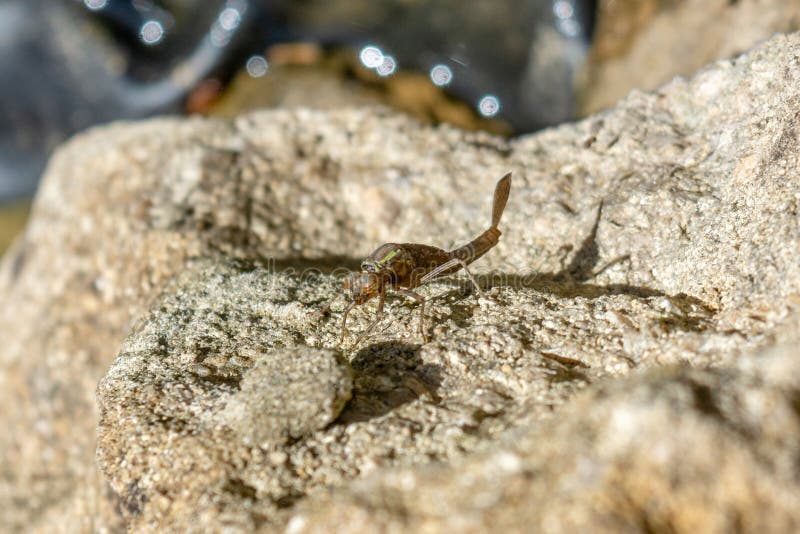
77,64
68,71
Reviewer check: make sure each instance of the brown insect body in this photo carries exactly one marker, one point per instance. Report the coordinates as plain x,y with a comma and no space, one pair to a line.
405,266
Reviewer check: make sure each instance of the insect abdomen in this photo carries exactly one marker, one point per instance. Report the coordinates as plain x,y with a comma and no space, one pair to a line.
477,247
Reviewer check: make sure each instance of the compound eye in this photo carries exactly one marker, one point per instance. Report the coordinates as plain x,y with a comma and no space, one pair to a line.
369,266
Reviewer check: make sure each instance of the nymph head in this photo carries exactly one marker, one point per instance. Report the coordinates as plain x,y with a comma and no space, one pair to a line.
362,286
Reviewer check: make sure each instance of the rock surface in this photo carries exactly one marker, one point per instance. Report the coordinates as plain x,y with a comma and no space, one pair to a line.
644,43
674,450
691,260
204,426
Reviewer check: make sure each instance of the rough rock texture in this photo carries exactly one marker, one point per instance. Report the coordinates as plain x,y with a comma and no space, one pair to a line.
210,358
285,395
644,43
691,260
675,450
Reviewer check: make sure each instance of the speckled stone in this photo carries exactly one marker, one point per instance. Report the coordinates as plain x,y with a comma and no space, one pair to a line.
204,399
187,254
673,449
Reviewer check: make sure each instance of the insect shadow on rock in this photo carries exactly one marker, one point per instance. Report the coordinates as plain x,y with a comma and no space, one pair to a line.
387,375
403,267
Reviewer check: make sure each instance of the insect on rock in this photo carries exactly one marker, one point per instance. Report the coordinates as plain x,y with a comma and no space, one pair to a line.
403,267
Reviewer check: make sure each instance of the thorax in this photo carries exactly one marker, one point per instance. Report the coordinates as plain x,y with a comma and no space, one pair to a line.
404,263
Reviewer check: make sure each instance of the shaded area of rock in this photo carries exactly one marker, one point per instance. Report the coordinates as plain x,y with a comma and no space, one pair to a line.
674,450
12,221
692,259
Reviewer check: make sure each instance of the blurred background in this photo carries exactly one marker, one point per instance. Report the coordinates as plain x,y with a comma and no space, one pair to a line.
509,67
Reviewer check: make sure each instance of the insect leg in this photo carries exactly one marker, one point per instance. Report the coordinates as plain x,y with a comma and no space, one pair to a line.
471,278
446,266
419,298
378,316
344,321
